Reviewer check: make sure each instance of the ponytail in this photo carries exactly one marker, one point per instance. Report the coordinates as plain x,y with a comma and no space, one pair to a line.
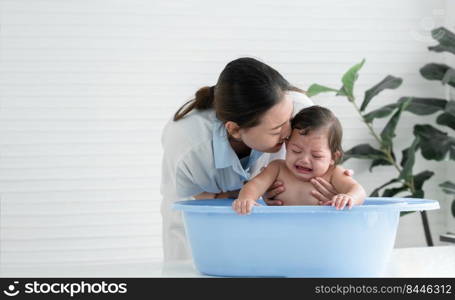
203,100
296,89
245,90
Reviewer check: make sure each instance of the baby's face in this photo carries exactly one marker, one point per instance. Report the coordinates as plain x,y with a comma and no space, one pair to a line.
309,156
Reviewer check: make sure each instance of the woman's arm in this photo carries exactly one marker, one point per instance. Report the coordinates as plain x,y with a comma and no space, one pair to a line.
256,187
229,194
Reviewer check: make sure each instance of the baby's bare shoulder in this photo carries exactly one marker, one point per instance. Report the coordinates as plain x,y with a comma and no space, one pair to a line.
277,163
338,170
339,176
272,169
334,173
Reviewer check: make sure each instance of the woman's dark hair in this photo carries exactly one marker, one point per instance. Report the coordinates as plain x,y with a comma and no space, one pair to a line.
315,117
245,90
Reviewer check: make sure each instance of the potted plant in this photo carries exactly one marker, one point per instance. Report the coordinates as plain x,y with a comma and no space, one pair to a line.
432,143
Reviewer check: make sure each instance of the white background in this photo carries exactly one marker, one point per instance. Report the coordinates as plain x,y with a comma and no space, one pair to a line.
86,87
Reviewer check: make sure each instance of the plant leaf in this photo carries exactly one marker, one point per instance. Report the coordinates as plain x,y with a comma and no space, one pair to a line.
447,120
388,133
379,162
393,191
315,89
448,117
363,151
420,179
380,112
390,82
375,192
424,106
408,160
404,213
418,106
349,78
449,76
341,92
434,71
434,144
450,108
448,187
418,194
446,40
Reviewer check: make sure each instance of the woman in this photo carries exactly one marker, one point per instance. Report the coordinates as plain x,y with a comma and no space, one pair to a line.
222,138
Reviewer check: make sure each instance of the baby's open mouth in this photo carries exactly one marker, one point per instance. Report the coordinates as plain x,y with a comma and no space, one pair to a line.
302,169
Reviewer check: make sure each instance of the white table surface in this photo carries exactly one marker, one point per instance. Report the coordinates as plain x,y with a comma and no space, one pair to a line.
404,262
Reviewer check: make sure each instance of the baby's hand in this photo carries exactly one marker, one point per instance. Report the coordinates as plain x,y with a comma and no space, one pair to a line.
341,200
243,206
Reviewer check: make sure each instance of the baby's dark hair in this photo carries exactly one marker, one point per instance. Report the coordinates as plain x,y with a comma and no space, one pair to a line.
315,117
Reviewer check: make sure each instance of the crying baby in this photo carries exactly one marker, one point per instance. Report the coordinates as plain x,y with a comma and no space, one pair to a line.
313,152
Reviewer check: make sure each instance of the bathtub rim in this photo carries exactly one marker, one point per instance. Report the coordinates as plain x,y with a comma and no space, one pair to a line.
387,204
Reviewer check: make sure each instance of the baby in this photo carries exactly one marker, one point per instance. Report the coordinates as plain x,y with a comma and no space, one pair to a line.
313,150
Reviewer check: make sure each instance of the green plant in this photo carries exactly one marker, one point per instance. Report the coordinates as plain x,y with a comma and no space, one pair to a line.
432,143
446,75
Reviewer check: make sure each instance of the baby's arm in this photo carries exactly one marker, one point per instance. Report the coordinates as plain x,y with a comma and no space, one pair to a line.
256,187
350,191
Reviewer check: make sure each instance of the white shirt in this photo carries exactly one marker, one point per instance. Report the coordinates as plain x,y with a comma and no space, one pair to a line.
198,158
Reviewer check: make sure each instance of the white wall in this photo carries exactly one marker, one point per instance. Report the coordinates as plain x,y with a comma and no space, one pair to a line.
86,87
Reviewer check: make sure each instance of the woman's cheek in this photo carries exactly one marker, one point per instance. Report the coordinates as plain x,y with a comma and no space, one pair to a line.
274,142
265,143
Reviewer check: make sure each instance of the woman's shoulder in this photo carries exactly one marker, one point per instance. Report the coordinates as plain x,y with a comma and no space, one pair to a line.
199,118
189,138
196,126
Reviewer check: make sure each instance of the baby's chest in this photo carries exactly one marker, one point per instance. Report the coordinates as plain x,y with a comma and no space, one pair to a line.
296,192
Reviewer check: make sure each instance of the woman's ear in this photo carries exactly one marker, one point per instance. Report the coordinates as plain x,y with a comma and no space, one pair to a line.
233,129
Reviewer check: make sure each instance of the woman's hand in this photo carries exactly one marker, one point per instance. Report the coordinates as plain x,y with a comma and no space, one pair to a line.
276,189
229,195
325,191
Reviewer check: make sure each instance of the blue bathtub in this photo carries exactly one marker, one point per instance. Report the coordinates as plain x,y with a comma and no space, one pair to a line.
295,241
